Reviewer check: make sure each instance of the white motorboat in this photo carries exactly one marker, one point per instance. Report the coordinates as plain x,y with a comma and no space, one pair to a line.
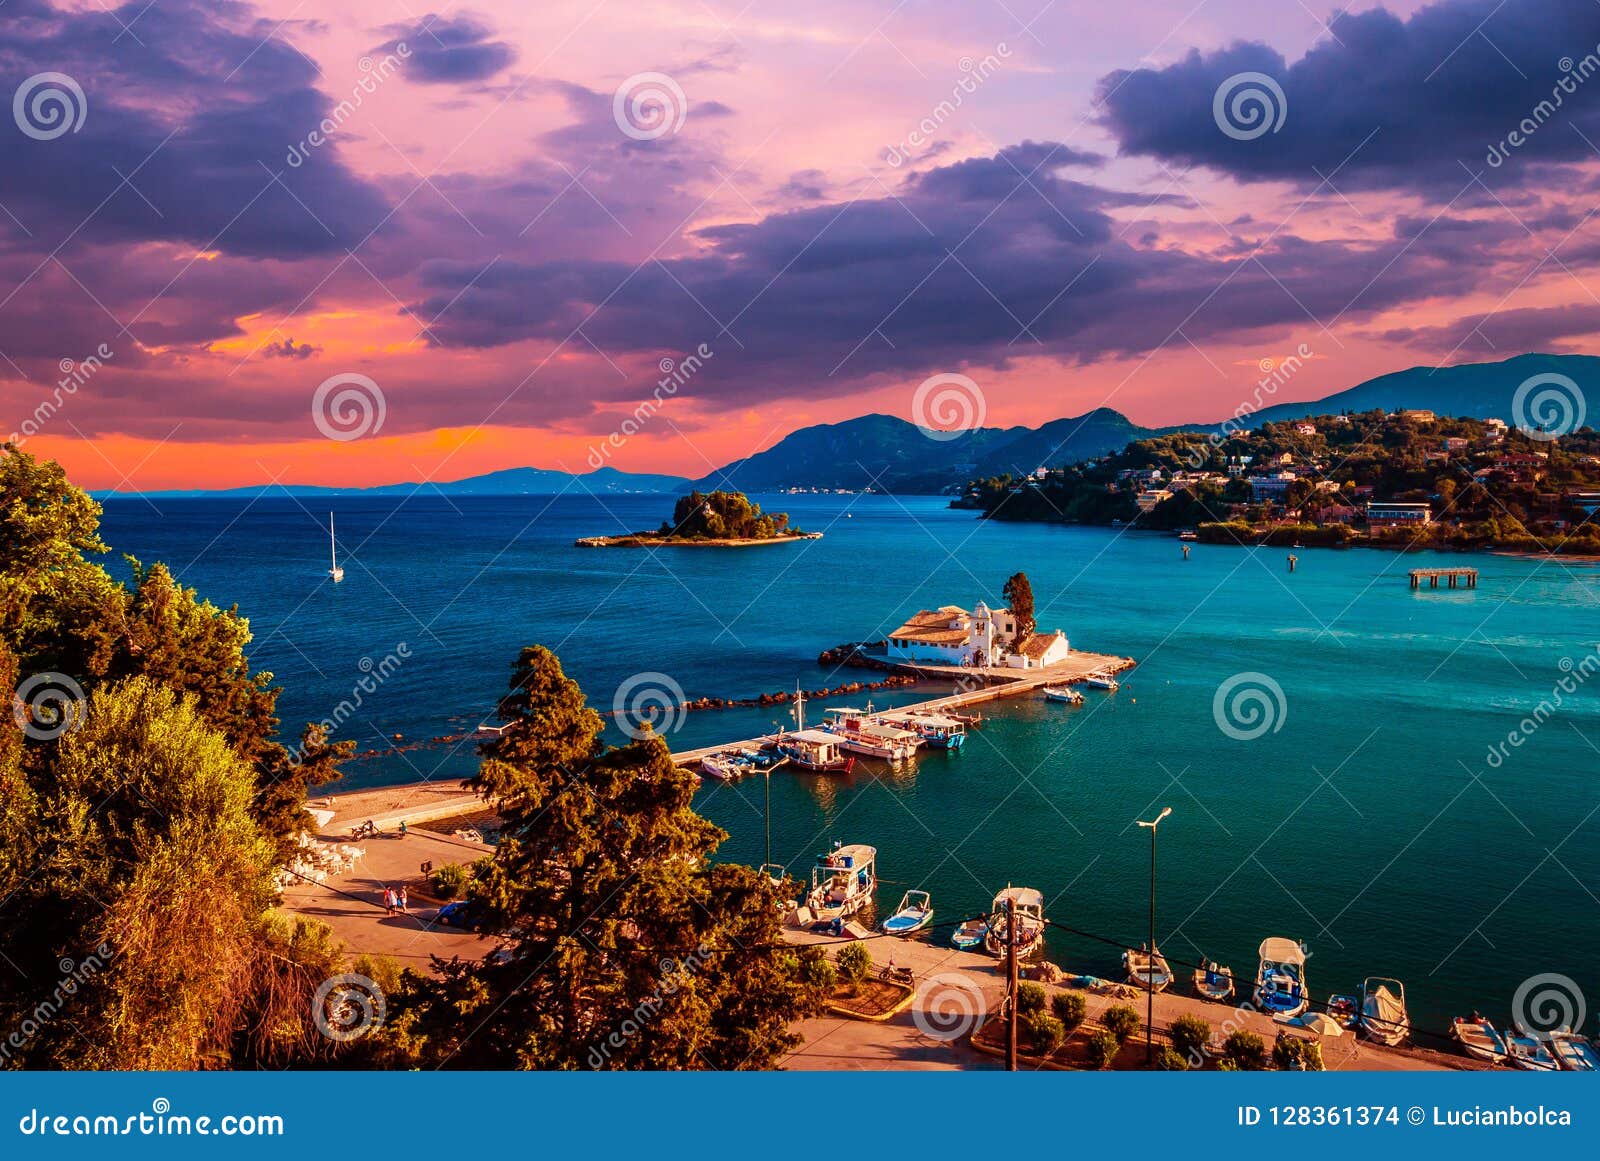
1147,969
1030,923
1102,681
1383,1010
914,913
1478,1038
842,882
1281,978
1573,1052
1529,1053
935,730
724,766
1063,693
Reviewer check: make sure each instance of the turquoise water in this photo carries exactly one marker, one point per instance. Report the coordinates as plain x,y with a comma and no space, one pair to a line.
1369,823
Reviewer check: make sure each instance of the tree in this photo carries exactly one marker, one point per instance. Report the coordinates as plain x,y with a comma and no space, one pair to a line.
1121,1021
855,961
1190,1035
1019,596
622,945
1245,1050
1069,1008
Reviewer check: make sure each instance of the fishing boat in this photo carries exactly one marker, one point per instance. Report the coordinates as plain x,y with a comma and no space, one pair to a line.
1147,969
969,936
1573,1052
1030,923
860,732
1102,681
1383,1010
1063,693
1479,1039
1188,534
935,730
335,571
815,750
1529,1053
1213,981
1281,978
842,883
914,913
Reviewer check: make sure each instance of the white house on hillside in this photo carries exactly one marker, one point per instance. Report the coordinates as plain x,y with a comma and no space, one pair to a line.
950,635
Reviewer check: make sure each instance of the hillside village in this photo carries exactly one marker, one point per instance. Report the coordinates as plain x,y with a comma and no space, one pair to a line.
1404,479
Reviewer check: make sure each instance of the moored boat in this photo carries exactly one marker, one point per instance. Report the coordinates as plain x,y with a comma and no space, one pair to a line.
1383,1010
914,913
1188,534
1030,923
1147,968
842,883
1213,981
1346,1009
860,732
935,730
969,936
815,750
1102,681
1528,1053
725,766
1063,693
1281,978
1478,1038
1573,1052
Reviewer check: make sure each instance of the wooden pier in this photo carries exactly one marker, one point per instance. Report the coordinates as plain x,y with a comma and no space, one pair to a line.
1453,575
997,682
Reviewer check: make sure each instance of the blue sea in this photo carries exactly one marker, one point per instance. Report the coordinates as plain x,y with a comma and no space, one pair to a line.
1380,815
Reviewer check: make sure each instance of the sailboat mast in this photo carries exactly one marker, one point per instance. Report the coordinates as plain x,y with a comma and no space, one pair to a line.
799,708
333,545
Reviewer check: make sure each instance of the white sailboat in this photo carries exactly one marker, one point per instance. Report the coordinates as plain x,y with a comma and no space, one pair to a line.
335,572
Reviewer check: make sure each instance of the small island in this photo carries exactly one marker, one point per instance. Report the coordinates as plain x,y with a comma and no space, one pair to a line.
710,520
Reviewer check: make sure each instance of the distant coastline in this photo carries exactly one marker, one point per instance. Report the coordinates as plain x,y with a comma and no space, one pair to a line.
655,539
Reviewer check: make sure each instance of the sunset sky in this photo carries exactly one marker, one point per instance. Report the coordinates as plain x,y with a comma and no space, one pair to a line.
837,200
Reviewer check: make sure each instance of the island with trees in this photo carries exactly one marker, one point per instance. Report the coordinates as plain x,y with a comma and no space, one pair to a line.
1406,479
710,520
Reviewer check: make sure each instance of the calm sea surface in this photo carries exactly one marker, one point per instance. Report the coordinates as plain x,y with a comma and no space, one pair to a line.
1369,823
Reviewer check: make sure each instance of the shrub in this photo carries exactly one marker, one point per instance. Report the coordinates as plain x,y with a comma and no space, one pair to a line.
1121,1021
450,881
1226,1065
1069,1008
1103,1049
1246,1050
1190,1035
1045,1031
1030,997
1168,1060
821,974
855,961
1296,1055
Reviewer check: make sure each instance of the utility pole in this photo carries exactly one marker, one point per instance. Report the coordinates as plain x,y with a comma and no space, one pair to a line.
1150,961
769,816
1011,984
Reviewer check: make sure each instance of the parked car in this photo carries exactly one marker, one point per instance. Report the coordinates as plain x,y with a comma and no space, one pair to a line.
466,914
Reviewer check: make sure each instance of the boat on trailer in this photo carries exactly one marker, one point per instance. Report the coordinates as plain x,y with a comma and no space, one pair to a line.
1213,981
1383,1010
1063,693
969,936
914,913
1030,923
815,750
935,730
1102,681
1573,1052
1529,1053
1281,978
842,883
1479,1039
1147,968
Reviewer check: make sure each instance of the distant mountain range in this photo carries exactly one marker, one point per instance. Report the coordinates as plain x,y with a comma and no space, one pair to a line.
893,455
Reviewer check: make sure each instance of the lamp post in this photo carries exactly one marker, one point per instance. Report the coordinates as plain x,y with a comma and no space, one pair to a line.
1150,964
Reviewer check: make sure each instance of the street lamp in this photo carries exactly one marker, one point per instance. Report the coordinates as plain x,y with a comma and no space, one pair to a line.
1150,961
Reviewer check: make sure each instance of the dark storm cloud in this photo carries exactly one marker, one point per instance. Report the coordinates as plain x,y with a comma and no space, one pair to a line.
446,50
1506,332
1385,102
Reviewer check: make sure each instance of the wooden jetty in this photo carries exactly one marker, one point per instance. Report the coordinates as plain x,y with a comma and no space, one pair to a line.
997,682
1453,575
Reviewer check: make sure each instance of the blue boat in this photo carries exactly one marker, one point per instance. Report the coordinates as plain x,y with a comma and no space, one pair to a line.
969,936
936,731
914,913
1281,978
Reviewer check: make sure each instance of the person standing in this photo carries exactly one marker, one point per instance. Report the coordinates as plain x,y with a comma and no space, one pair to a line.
388,901
403,899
